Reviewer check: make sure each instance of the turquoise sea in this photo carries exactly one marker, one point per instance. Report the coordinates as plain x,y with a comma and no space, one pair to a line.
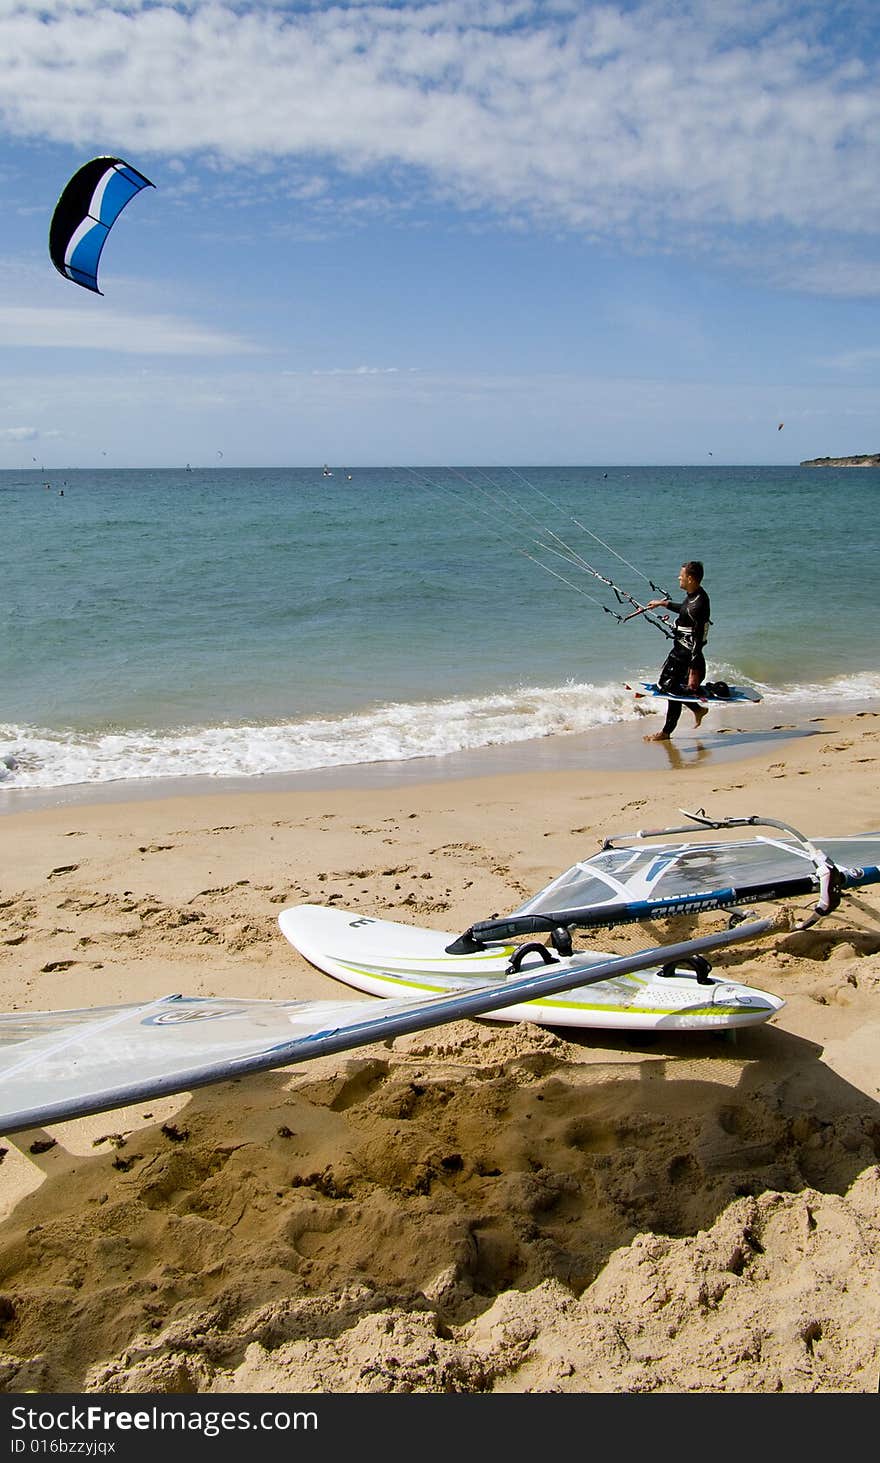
244,622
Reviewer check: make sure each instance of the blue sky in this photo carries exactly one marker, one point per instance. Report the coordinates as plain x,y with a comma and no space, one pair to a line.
446,232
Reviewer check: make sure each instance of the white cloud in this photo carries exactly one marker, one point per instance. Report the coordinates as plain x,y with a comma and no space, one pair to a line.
854,360
72,329
612,120
18,434
272,418
356,371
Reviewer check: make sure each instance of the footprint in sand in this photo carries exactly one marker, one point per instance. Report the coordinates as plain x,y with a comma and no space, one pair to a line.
62,869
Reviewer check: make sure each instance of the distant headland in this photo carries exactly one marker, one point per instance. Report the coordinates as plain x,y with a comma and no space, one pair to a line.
867,459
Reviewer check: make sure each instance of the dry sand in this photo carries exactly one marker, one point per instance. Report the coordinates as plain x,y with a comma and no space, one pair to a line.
482,1207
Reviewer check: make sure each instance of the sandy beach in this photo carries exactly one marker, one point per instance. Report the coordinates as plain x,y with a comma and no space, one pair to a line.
481,1207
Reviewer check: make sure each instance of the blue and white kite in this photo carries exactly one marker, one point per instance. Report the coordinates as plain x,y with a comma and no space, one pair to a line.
85,213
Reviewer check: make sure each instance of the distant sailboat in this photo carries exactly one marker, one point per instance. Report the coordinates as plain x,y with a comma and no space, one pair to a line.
327,472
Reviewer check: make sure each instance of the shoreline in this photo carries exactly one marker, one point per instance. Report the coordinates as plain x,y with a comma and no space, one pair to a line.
735,733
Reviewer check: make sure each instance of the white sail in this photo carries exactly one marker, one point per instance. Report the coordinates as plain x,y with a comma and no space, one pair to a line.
630,879
56,1065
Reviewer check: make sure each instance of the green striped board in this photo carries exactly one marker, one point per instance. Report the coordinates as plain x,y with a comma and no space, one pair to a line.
384,958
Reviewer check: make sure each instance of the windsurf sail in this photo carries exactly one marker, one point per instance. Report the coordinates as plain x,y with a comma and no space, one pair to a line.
625,883
57,1065
85,213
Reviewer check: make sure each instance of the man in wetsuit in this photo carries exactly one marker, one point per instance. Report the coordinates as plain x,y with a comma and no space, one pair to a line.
684,668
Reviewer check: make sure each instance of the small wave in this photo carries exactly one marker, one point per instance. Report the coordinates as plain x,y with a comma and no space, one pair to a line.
396,732
849,690
41,759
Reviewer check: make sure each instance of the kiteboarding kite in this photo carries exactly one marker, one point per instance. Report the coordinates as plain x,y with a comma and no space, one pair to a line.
85,213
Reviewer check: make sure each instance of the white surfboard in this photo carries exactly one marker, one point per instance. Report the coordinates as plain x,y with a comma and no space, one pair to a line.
385,958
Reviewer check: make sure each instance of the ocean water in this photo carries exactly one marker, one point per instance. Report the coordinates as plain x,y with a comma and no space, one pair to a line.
236,622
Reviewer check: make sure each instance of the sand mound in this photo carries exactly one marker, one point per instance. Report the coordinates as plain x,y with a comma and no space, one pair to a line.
479,1209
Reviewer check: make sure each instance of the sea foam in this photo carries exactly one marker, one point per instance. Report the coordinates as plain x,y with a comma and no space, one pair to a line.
36,758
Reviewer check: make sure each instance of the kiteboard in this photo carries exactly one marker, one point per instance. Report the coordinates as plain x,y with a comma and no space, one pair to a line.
385,958
705,696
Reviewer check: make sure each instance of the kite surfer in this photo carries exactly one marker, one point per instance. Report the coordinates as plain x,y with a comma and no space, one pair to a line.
684,668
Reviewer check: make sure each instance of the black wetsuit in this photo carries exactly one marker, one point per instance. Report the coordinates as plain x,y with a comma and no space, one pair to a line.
691,633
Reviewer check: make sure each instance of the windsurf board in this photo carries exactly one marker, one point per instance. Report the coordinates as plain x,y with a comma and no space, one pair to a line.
386,958
56,1065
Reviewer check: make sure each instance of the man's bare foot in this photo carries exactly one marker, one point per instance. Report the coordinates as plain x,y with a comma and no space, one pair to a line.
660,736
699,713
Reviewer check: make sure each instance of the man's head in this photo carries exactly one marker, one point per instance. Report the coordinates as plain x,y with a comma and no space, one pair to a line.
690,575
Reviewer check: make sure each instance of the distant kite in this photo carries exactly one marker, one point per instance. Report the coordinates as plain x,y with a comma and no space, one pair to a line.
85,213
781,425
